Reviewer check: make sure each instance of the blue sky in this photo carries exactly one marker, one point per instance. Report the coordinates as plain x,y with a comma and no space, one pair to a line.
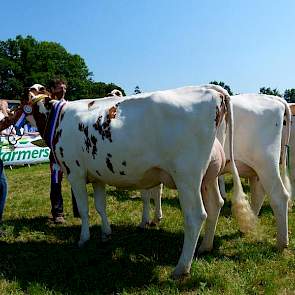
162,44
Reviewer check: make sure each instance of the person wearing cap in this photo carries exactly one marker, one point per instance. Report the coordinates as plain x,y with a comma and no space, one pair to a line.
58,90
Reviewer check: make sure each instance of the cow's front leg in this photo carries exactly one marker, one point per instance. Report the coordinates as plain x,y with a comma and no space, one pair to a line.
80,193
100,205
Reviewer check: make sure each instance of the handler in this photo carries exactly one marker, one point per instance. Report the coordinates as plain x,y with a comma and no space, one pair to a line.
58,90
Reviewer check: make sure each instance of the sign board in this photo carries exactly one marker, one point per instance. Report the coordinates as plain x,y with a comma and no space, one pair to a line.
24,151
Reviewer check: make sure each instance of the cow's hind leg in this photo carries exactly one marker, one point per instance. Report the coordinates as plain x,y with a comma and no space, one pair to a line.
158,207
221,184
146,195
100,205
146,199
80,193
279,197
213,202
194,213
257,194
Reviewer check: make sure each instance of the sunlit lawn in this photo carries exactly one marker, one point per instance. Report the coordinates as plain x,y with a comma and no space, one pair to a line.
38,257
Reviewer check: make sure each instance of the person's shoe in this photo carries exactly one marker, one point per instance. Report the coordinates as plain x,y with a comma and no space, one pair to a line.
58,220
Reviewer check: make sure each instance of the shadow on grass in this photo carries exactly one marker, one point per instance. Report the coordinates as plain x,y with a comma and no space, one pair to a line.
128,261
125,195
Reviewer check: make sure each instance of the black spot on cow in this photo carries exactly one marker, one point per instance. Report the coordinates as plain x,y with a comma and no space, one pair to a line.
81,127
67,168
122,173
77,162
104,128
110,165
284,123
86,131
61,152
62,116
124,163
91,104
87,144
94,147
97,173
57,136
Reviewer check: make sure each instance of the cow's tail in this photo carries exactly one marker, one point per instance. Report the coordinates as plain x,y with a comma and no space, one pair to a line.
240,206
285,152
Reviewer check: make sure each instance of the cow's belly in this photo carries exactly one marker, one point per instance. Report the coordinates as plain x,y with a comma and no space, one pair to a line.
216,164
148,179
244,169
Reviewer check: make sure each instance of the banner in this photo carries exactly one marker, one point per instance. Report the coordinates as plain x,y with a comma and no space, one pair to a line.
24,151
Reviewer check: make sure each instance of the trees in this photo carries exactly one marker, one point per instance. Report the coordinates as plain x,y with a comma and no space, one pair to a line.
222,84
25,61
269,91
289,95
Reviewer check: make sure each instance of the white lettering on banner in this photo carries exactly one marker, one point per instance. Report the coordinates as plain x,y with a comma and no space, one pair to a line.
24,152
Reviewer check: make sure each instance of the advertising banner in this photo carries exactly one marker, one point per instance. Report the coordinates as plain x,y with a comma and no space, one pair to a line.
24,151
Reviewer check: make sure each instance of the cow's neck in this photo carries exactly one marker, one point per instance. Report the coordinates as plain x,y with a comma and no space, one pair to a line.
42,121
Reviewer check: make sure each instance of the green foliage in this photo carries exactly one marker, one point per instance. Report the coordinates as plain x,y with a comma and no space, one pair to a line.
222,84
26,61
289,95
38,257
269,91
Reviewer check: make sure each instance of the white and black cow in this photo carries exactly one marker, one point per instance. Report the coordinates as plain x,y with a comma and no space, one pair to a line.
138,142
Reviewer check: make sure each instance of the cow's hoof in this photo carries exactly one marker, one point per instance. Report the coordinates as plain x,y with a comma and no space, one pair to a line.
106,237
180,272
204,249
179,275
143,224
153,223
81,244
290,205
282,245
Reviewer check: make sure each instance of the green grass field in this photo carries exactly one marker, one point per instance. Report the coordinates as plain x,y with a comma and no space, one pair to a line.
38,257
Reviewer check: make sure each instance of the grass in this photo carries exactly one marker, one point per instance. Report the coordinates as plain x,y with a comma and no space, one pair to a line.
38,257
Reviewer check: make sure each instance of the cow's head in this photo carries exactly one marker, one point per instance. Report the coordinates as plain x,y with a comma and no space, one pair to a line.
35,108
115,92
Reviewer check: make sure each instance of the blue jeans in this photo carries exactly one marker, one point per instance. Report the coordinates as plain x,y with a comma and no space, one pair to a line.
3,189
